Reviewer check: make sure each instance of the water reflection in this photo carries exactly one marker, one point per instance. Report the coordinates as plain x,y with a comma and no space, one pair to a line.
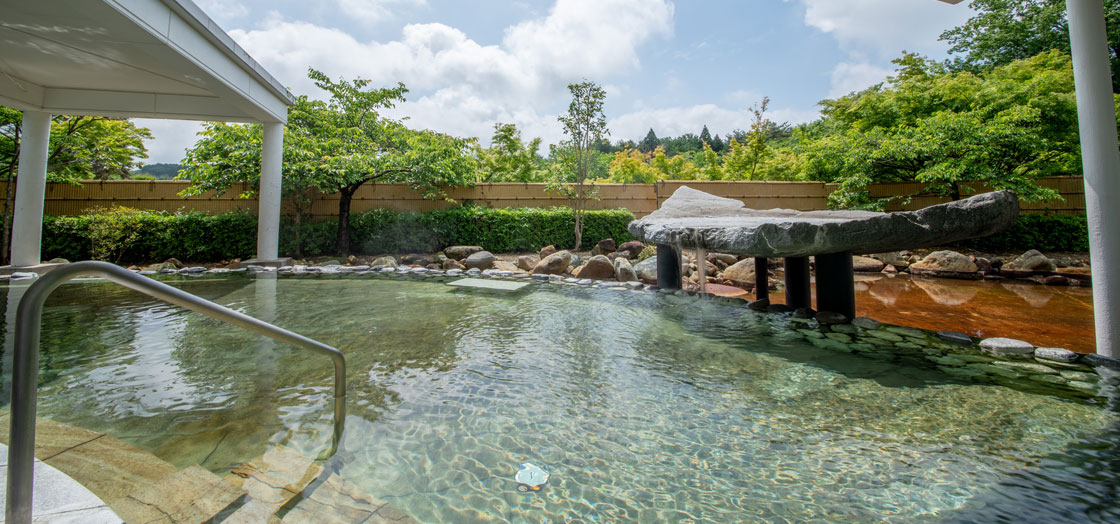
1056,316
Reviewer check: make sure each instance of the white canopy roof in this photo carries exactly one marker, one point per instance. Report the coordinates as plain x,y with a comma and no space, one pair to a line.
130,58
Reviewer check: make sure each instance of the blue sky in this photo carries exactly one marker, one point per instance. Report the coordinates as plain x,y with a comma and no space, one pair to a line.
672,66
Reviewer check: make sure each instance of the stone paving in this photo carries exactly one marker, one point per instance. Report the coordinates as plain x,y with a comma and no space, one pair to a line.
90,477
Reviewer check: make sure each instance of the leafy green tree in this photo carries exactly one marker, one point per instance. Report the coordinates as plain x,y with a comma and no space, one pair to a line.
585,125
335,146
1004,128
632,167
1003,31
706,136
742,160
80,148
649,143
509,159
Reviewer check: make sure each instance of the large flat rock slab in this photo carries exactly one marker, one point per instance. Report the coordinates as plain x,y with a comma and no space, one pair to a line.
693,218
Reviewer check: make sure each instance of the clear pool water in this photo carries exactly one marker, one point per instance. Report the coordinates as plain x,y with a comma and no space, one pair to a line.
643,407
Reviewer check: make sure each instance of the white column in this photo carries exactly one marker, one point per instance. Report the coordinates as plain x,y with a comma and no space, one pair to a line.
1100,158
31,188
268,213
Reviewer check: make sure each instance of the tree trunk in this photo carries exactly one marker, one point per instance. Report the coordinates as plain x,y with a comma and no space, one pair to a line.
343,237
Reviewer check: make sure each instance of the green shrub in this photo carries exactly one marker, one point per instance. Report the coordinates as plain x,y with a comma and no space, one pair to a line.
124,235
1042,232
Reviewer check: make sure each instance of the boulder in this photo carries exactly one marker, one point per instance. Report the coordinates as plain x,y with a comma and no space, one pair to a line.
604,246
694,218
618,254
598,267
527,262
160,267
451,263
867,265
461,252
948,264
1030,261
58,261
623,271
480,260
741,272
175,262
502,265
385,261
1056,280
898,259
418,259
553,264
983,264
1006,346
725,258
646,270
633,247
546,251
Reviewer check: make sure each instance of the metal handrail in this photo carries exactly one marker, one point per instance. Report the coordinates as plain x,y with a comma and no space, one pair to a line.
25,364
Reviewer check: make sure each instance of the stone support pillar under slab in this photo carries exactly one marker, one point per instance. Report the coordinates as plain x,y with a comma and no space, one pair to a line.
668,267
761,279
31,188
268,214
1096,116
798,293
836,284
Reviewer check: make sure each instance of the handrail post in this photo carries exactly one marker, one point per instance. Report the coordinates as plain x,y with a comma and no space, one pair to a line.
25,364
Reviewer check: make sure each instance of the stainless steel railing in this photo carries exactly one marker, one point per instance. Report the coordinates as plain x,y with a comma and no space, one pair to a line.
25,364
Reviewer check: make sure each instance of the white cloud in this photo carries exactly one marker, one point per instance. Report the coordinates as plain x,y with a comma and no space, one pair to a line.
223,11
376,10
460,86
883,28
848,77
171,139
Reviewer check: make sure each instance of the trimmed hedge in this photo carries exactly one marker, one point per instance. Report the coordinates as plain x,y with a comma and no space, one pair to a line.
1045,233
124,235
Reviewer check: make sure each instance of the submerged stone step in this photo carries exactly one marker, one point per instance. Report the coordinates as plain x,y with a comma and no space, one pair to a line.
508,286
136,485
271,480
189,496
338,501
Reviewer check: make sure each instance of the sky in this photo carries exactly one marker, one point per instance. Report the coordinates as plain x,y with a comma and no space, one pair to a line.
670,66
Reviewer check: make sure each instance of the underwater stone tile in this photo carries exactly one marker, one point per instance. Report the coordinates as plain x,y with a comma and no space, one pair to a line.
995,370
275,477
885,335
1080,376
190,495
866,323
1029,367
111,469
955,337
906,331
948,361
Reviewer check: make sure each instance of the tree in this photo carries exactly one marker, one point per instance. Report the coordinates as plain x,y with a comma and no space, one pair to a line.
632,166
509,159
706,136
743,159
1007,30
80,148
1003,128
585,124
335,146
649,143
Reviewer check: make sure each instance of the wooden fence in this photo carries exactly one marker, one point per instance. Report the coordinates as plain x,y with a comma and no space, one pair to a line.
641,199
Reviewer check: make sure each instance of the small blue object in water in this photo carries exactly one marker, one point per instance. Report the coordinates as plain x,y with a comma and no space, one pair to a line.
530,477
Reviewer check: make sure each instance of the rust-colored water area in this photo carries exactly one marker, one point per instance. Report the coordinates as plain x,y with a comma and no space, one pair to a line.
1055,316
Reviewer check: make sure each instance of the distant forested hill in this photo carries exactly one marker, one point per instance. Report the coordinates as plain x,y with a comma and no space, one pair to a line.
159,171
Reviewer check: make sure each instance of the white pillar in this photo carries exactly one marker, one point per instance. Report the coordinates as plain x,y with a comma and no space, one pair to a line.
1100,158
31,188
268,213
